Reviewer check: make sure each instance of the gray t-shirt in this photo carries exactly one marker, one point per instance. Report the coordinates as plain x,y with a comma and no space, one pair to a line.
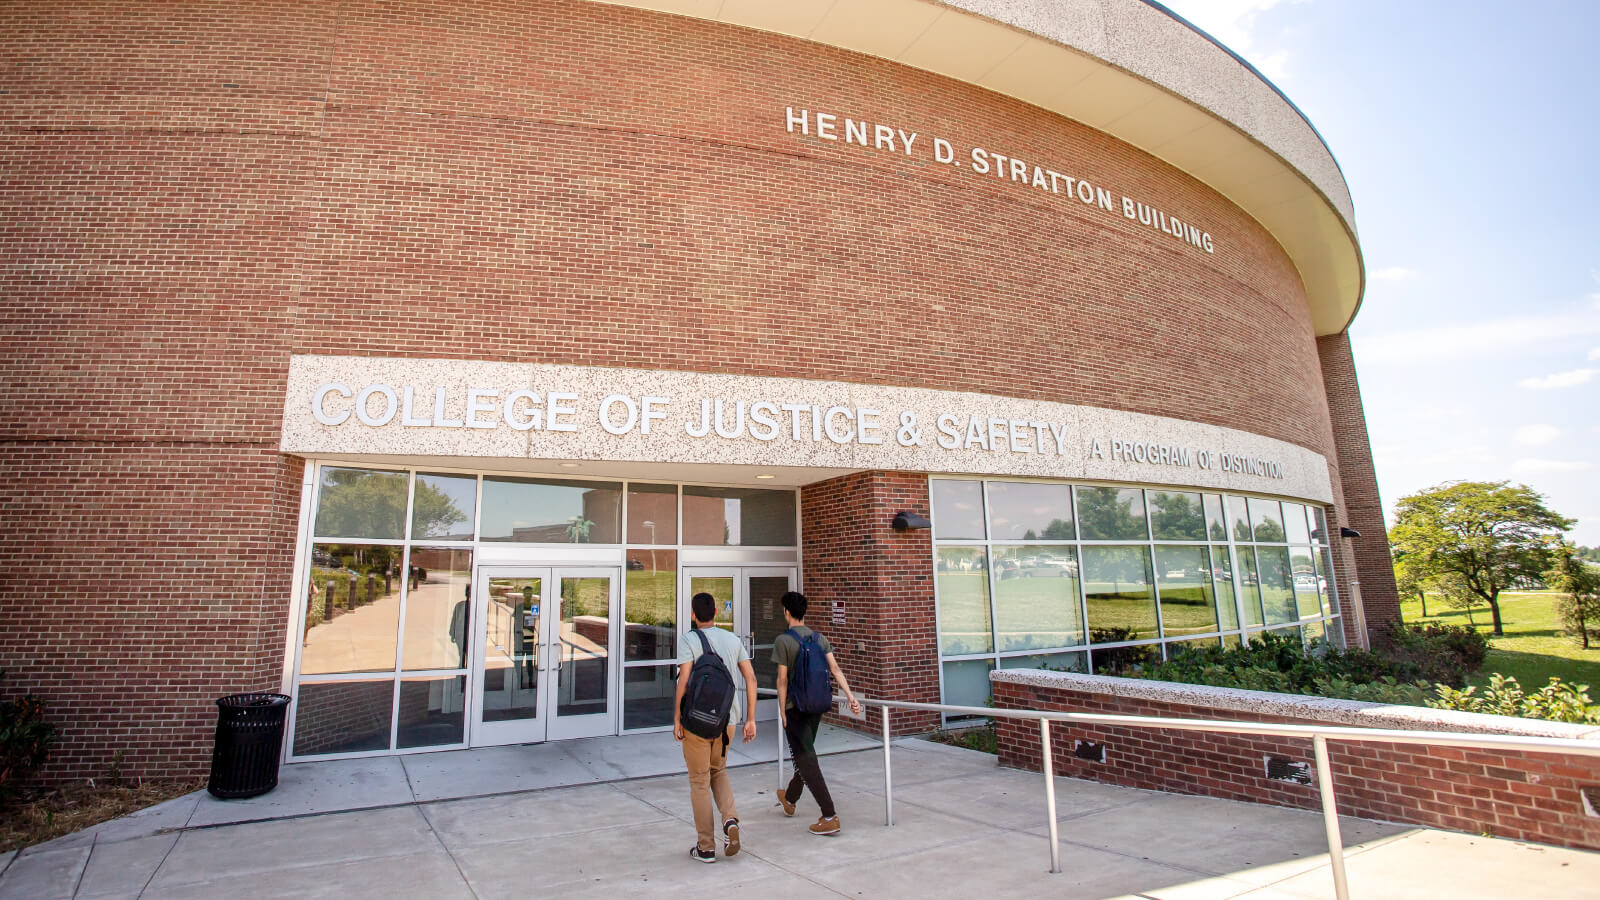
785,648
731,649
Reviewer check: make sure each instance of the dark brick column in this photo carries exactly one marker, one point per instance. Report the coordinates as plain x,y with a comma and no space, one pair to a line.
887,644
1374,566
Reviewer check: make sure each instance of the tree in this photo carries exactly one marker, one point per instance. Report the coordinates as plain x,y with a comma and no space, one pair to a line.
1579,584
1410,580
1487,534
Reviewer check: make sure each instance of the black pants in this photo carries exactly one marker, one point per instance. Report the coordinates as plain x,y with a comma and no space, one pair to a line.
801,731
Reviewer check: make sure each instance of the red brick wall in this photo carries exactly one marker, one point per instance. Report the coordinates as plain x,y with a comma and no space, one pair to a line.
888,645
1528,796
1363,507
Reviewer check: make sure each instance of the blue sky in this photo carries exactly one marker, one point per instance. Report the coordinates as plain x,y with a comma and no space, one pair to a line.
1468,134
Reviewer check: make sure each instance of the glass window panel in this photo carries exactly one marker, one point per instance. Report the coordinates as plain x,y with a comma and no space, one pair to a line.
1183,577
1335,633
966,682
1277,585
650,605
1030,511
647,693
550,511
1304,571
585,638
1177,516
1250,587
721,590
1312,632
432,711
1116,660
438,609
652,513
1266,518
1122,603
343,716
1292,632
1319,525
1321,556
1294,524
1239,519
1111,514
1222,579
957,510
1036,597
361,503
511,640
1176,647
765,596
1230,641
1059,662
353,609
1216,519
744,517
444,507
963,579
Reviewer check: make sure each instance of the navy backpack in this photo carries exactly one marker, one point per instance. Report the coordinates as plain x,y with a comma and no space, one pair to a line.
809,683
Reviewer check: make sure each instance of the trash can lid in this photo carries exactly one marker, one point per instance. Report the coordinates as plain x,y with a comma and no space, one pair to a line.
252,700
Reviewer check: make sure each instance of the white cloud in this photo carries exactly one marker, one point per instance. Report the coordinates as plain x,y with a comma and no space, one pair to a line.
1392,273
1537,435
1560,380
1493,338
1529,466
1594,354
1233,23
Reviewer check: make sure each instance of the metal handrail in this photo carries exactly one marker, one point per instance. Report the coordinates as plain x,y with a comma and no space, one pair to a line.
1318,734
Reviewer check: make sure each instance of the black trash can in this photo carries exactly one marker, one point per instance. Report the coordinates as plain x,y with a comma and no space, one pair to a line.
244,759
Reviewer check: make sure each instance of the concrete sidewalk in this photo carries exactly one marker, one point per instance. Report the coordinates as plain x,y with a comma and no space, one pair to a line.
962,827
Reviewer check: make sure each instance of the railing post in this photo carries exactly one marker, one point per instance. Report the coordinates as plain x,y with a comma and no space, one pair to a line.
888,782
1330,817
1050,795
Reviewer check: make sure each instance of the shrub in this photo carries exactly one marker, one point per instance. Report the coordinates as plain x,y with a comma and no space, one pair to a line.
1277,663
25,738
1555,701
1446,654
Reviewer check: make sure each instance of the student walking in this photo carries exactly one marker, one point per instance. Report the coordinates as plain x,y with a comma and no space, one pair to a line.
805,659
703,710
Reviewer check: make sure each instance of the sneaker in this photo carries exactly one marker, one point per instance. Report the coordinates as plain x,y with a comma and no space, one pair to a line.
788,808
698,855
826,825
730,844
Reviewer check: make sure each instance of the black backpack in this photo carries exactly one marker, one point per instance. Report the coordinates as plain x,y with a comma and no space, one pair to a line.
708,700
809,683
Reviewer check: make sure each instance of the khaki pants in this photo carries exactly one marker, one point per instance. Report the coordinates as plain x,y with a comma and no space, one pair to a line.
707,760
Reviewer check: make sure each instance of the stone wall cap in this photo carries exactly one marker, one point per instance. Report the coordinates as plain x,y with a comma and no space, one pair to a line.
1325,710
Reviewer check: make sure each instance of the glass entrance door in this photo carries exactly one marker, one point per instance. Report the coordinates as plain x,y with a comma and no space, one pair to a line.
747,604
543,654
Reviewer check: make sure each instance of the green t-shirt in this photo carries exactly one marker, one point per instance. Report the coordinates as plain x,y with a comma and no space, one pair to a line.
786,648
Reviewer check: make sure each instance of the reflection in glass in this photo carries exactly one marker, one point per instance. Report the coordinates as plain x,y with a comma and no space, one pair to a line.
766,623
1222,579
510,676
1277,585
1174,648
1319,525
1324,557
550,511
352,611
957,509
1266,518
1057,662
585,638
1116,583
1250,587
1294,524
1111,514
647,693
1239,519
720,587
1216,520
1030,511
1313,631
343,716
1177,516
443,507
1116,660
1230,641
966,682
652,513
1036,597
438,609
963,580
650,605
432,711
1183,578
743,517
1305,582
361,503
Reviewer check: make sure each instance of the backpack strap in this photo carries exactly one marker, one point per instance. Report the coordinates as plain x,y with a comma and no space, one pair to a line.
705,646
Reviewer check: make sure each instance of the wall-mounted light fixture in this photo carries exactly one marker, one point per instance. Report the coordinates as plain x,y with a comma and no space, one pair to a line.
905,521
1345,531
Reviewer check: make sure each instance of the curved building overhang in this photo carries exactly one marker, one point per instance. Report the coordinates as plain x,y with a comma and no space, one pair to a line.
1128,68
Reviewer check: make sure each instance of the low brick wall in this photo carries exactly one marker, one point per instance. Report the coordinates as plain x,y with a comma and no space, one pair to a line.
1546,797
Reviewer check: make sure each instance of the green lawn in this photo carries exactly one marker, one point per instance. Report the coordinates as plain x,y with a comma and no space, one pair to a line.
1533,648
